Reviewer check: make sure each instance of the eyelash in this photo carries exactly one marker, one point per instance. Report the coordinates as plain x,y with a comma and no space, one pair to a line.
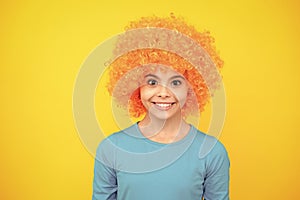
178,82
153,82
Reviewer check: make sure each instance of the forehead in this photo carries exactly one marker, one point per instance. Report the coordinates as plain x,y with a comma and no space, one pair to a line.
161,71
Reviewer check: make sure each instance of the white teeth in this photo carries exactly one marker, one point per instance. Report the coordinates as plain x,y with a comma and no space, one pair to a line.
164,105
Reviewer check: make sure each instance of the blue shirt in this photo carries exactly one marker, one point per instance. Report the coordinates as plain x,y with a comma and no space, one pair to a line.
129,166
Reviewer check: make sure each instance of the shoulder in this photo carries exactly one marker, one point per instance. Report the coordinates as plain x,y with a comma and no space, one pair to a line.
120,138
116,142
130,132
209,146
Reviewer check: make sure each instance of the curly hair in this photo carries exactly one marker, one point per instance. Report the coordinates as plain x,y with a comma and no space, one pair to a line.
125,72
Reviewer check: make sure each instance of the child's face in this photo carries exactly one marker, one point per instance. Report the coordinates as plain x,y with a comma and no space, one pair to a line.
163,93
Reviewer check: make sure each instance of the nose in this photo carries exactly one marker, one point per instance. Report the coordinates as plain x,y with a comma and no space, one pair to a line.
163,92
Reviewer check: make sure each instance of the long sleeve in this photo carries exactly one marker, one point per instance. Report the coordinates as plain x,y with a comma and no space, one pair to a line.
105,181
216,184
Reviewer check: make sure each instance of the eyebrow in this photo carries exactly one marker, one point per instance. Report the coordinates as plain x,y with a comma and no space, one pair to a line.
173,77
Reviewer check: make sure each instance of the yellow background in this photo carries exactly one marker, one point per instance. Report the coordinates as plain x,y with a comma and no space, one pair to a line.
44,44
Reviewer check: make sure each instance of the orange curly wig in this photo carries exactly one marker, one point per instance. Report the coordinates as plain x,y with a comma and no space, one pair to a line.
126,71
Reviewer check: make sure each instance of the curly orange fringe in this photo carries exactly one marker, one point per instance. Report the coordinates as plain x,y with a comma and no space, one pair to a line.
133,59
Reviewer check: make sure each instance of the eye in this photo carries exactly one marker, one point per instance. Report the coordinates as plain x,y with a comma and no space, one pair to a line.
152,82
176,83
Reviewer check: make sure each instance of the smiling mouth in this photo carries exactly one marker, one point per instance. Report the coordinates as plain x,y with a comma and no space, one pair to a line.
163,106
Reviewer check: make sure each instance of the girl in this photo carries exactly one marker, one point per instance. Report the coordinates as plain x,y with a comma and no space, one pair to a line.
158,157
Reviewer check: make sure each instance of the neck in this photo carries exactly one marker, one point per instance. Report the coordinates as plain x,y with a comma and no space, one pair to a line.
165,131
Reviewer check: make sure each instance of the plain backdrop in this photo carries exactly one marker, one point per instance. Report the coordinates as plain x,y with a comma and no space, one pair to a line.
43,45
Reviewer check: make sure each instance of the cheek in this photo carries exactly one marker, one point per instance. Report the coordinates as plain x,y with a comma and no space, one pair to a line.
181,97
145,94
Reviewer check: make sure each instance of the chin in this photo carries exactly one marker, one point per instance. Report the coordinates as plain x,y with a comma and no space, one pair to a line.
165,115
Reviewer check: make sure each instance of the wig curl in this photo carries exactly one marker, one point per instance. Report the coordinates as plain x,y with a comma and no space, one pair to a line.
126,71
